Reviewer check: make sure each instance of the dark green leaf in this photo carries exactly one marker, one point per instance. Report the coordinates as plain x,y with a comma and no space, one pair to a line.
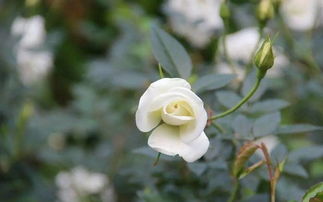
295,169
249,82
289,191
278,154
297,128
146,151
242,126
212,81
170,53
306,153
129,80
266,125
228,98
197,168
268,105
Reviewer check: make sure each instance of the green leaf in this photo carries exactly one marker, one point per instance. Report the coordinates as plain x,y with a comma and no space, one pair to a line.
268,105
266,125
306,153
242,126
197,168
228,98
288,190
148,152
313,192
278,154
170,53
295,169
212,81
297,128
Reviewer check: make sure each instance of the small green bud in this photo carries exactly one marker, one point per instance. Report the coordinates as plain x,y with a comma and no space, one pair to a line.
225,12
264,58
265,11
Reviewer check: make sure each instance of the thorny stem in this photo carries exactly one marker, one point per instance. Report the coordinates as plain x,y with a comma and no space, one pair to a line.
273,192
270,172
268,161
237,106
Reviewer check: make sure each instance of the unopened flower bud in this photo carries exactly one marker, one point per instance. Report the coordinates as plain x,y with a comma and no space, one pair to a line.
225,12
264,58
265,11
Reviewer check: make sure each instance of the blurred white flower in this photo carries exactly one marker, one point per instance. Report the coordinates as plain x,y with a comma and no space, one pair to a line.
31,30
33,65
301,15
34,62
224,68
197,20
270,141
240,46
177,117
78,183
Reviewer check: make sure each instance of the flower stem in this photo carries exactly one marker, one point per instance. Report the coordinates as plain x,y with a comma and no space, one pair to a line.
234,192
237,106
157,159
272,193
272,180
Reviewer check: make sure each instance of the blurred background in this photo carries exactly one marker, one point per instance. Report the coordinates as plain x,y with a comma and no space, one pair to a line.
72,72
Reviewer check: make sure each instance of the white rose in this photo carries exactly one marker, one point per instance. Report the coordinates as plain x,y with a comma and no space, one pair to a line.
31,30
177,116
195,19
300,14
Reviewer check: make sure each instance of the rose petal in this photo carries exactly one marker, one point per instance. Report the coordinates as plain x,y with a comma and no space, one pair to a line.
196,149
193,129
167,84
176,120
147,119
177,113
165,139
